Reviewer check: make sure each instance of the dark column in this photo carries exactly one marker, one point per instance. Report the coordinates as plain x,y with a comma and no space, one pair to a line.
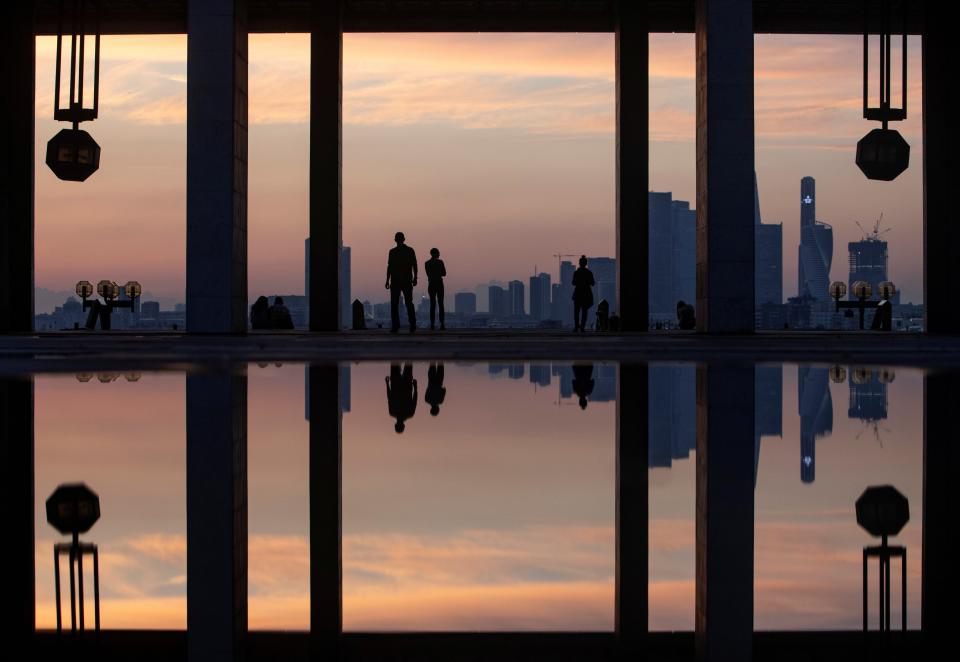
217,166
326,104
630,611
16,169
633,213
725,302
941,170
16,431
941,466
725,448
326,572
216,516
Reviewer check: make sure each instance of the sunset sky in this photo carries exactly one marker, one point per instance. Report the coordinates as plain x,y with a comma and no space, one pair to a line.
498,514
497,149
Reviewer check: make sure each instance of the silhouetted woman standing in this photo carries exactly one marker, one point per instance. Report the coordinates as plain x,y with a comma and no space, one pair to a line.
583,283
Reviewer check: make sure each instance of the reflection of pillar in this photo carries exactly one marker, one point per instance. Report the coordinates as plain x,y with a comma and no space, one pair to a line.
725,448
725,213
326,104
632,567
216,516
633,215
941,171
941,466
217,166
325,511
16,429
16,182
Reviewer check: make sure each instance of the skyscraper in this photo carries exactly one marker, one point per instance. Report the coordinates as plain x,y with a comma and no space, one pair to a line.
498,303
868,262
540,296
816,247
673,255
465,303
565,293
768,256
515,296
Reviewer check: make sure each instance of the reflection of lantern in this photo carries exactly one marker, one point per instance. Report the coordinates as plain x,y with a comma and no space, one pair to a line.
860,375
84,377
132,376
862,289
132,289
108,289
838,289
838,374
886,290
73,155
84,289
887,375
107,377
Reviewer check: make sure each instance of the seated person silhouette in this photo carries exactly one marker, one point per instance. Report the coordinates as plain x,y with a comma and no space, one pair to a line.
603,315
436,392
435,273
583,382
686,316
260,314
401,394
280,315
401,279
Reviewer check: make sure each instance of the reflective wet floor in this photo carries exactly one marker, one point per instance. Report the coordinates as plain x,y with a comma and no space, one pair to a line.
483,496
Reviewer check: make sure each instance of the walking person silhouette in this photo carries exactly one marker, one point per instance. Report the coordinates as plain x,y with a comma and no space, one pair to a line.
401,395
435,272
401,279
435,392
583,283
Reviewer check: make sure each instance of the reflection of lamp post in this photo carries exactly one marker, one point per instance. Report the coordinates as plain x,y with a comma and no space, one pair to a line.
73,509
110,292
862,290
883,511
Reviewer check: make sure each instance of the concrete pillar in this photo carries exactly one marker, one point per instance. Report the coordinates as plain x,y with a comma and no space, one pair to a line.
633,214
724,537
326,566
216,516
16,169
16,431
941,465
941,170
216,166
725,215
630,611
326,106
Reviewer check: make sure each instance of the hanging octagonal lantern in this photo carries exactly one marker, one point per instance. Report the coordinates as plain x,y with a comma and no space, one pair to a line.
883,154
73,155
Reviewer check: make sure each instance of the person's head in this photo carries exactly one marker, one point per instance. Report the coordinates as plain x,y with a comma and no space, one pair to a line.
583,402
399,427
399,238
435,252
434,410
277,301
583,260
680,304
261,301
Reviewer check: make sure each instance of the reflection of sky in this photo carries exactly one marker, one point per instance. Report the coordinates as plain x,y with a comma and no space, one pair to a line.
498,514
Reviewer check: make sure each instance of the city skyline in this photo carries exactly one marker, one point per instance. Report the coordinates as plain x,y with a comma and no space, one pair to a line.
503,134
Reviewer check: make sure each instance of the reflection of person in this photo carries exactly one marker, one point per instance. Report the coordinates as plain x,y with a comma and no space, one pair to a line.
435,272
401,279
583,382
686,316
401,394
436,391
260,314
583,283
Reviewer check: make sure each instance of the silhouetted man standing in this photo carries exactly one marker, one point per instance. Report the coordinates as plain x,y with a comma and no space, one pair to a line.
401,279
401,394
435,273
436,392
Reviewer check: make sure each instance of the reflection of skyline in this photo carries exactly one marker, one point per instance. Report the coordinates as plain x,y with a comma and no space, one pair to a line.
816,416
868,394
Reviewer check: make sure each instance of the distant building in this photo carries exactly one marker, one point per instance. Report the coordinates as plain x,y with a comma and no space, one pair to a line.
540,374
465,303
868,262
868,395
516,296
673,255
499,304
565,293
540,292
768,264
150,310
815,255
346,302
605,274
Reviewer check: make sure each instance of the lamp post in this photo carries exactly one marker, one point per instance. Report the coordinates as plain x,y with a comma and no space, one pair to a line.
73,509
883,511
862,290
110,292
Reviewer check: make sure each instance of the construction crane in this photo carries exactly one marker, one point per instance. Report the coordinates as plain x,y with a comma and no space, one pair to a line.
876,232
560,257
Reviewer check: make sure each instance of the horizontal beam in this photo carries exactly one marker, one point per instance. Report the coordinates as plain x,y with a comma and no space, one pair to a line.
272,16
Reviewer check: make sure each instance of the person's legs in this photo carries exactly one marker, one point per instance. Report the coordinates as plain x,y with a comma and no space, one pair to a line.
394,308
411,312
583,318
440,303
576,316
431,290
